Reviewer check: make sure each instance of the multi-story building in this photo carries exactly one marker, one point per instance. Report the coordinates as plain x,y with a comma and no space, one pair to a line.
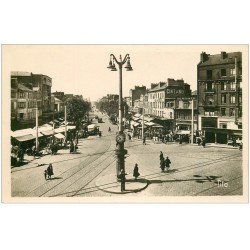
156,99
23,107
162,97
136,93
219,88
183,113
41,84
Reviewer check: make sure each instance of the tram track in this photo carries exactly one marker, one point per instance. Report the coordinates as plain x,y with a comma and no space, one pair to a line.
78,167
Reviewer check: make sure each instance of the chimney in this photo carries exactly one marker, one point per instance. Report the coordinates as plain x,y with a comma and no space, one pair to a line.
223,54
153,85
203,57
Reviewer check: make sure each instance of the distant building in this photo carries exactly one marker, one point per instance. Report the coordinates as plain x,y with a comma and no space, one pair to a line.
156,99
135,94
161,98
59,95
219,88
113,97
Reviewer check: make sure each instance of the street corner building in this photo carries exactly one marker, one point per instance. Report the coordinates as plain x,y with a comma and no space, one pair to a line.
219,86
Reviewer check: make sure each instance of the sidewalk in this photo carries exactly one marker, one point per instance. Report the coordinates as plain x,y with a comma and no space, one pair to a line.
150,142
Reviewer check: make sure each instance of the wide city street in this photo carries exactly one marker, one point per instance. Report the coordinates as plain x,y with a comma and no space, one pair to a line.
194,171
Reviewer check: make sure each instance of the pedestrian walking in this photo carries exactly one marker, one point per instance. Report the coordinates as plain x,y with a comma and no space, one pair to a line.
161,155
123,180
71,147
162,165
144,140
167,163
50,171
203,142
136,173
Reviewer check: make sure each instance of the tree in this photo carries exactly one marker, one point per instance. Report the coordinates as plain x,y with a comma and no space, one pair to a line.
77,108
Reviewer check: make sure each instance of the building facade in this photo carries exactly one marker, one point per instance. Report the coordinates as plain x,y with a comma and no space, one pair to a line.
136,93
219,89
183,113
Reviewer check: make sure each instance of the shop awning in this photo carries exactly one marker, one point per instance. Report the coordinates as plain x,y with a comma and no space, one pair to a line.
71,127
135,124
48,132
60,130
183,132
25,138
59,136
25,134
157,126
150,123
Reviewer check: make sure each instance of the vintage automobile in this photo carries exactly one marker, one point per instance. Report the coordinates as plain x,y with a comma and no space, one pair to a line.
93,129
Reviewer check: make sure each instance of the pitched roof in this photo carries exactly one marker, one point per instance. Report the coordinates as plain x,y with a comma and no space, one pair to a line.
158,88
217,59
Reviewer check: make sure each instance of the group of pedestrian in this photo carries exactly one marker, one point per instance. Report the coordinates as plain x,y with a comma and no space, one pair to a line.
48,172
164,162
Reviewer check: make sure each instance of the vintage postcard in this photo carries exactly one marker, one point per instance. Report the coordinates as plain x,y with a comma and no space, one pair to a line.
125,123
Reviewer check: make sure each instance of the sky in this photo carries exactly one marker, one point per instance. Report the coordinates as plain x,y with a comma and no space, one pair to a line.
82,69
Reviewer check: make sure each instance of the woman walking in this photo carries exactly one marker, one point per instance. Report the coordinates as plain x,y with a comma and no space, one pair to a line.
136,173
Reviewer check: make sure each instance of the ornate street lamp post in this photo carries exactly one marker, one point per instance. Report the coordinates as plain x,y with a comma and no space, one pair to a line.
120,138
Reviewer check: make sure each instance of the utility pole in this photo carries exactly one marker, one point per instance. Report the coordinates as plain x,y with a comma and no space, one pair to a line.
36,127
65,124
120,138
192,123
142,117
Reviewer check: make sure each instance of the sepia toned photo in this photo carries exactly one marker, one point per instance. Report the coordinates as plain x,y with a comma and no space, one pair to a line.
125,123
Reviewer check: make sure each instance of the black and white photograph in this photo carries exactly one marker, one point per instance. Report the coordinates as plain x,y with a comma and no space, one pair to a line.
129,122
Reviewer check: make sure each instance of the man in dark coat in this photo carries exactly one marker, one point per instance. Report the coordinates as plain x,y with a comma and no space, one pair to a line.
162,165
167,163
123,180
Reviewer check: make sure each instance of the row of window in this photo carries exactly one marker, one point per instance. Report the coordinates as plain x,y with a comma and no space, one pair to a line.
210,99
210,86
231,111
169,91
159,105
223,112
223,73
